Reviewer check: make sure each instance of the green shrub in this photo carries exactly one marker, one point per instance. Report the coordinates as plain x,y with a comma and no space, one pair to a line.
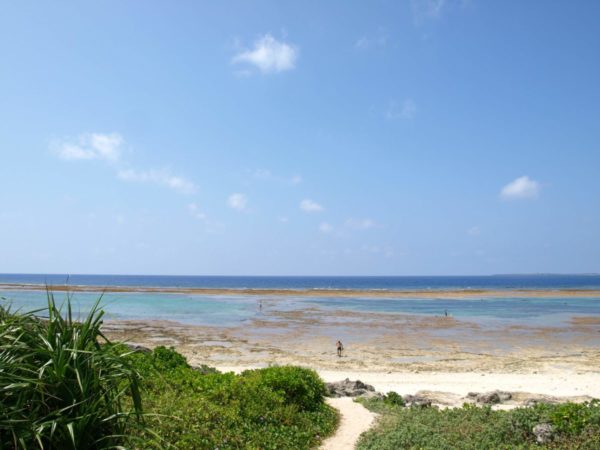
273,408
297,385
64,386
393,398
473,427
62,389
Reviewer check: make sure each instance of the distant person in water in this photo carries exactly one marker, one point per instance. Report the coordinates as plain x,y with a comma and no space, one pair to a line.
340,348
446,312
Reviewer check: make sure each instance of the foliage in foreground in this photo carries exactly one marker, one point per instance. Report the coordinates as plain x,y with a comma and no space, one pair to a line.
272,408
577,426
64,386
59,387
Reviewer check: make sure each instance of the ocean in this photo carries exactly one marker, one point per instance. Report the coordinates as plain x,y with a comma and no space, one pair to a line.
321,282
233,310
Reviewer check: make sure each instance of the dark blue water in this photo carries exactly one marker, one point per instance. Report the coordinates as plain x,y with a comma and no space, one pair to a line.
299,282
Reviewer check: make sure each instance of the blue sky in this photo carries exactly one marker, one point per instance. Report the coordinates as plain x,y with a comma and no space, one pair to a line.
270,138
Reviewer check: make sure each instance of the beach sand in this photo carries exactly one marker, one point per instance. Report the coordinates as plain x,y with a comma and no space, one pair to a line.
398,352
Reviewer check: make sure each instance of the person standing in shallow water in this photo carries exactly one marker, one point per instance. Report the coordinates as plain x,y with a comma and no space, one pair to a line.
340,347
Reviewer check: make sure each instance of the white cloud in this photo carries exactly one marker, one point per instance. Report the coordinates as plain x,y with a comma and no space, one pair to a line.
106,147
521,188
474,231
283,219
161,177
360,224
325,227
269,55
309,206
407,110
237,201
296,179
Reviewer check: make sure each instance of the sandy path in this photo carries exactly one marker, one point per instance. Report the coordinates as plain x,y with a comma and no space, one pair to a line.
354,420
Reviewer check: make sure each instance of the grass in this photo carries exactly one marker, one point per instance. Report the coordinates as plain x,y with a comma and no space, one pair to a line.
63,385
577,426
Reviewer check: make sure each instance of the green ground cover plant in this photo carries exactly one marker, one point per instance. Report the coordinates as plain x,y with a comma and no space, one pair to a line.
63,385
576,426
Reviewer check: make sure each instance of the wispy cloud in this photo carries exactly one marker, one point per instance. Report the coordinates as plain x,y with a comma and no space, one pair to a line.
162,177
196,212
267,175
310,206
521,188
406,110
360,224
325,228
379,40
386,251
269,55
210,226
237,201
109,148
474,231
427,9
106,147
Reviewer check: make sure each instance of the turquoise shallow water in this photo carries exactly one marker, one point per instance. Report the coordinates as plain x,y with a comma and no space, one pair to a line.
233,310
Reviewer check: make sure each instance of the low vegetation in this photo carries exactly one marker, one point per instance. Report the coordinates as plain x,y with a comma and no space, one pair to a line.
64,386
575,426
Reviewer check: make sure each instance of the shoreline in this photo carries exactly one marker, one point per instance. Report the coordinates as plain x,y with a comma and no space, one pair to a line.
441,293
451,388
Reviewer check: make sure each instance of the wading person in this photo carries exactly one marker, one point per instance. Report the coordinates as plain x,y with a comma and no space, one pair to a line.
340,347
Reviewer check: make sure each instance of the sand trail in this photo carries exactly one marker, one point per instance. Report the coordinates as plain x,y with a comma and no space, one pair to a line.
354,420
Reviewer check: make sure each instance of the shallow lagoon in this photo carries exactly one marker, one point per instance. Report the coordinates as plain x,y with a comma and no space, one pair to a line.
231,310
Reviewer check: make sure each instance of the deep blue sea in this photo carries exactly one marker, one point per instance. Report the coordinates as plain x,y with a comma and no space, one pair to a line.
232,310
324,282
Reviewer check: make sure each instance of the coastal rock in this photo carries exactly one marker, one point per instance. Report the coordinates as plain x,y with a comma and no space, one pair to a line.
138,348
490,398
544,432
347,388
416,400
536,401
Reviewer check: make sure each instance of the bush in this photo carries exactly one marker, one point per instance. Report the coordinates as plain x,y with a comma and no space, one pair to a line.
393,398
297,385
64,386
473,427
62,389
273,408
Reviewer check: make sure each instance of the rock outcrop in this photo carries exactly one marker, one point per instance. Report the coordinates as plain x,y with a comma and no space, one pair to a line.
544,432
347,388
416,400
490,398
